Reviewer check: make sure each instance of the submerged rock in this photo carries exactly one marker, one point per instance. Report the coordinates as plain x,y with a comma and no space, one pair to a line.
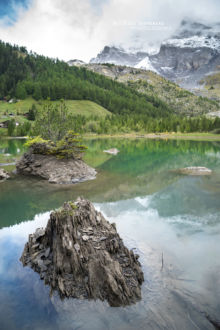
112,151
195,170
81,255
3,175
55,170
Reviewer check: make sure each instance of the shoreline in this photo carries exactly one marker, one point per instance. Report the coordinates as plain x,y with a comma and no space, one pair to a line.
162,136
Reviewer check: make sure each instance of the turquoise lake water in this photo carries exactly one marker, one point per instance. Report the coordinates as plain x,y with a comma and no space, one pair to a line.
162,214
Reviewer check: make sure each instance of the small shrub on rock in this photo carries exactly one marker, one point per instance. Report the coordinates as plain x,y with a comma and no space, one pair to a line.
69,147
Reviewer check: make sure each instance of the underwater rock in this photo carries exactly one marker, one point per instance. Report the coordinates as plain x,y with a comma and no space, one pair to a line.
112,151
81,255
195,170
3,175
61,171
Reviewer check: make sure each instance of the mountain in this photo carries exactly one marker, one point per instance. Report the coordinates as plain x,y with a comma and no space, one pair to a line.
150,83
75,62
192,53
36,76
186,58
211,85
119,56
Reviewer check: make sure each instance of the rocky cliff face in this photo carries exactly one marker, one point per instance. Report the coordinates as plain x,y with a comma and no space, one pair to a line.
190,54
61,171
81,255
118,56
185,64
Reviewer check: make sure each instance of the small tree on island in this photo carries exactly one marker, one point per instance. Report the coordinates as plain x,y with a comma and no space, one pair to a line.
53,133
70,146
52,122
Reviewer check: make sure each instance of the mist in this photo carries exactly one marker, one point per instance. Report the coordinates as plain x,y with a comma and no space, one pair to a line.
71,29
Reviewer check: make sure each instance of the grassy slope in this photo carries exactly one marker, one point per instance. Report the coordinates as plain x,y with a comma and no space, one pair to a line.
181,100
85,108
148,82
212,85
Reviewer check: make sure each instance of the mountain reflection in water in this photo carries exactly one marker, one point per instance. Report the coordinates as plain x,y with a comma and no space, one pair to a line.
156,211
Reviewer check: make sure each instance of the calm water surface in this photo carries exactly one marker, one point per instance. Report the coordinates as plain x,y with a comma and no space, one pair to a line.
172,221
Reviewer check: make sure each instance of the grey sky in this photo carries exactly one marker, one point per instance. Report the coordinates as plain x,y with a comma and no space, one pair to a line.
80,29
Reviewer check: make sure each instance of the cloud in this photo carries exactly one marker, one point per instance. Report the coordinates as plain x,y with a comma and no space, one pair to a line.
55,28
70,29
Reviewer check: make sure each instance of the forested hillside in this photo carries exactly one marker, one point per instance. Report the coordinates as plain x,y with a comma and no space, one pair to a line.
150,83
26,74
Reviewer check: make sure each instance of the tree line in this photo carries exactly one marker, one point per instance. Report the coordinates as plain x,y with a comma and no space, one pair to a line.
143,124
54,121
28,74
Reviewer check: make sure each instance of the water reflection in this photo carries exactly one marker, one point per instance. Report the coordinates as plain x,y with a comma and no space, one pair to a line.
156,211
12,146
142,167
167,293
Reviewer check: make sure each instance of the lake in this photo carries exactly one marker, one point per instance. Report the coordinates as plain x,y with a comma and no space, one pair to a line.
171,220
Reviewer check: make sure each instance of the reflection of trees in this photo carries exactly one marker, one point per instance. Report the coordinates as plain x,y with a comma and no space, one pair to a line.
139,156
142,167
153,144
11,146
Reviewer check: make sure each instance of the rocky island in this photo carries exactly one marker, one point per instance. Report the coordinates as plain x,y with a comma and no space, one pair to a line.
65,171
59,163
195,171
112,151
81,255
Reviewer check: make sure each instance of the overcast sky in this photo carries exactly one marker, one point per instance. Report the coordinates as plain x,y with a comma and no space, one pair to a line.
70,29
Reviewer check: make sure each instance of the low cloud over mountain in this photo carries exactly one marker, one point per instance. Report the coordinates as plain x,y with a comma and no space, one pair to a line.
80,29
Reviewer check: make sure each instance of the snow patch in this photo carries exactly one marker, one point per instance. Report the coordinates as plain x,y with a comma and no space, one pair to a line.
145,64
194,42
167,68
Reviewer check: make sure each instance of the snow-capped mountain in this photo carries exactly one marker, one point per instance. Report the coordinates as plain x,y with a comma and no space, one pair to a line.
190,54
190,28
119,56
194,42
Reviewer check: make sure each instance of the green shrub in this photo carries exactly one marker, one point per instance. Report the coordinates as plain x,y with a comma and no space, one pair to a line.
23,129
69,147
32,112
